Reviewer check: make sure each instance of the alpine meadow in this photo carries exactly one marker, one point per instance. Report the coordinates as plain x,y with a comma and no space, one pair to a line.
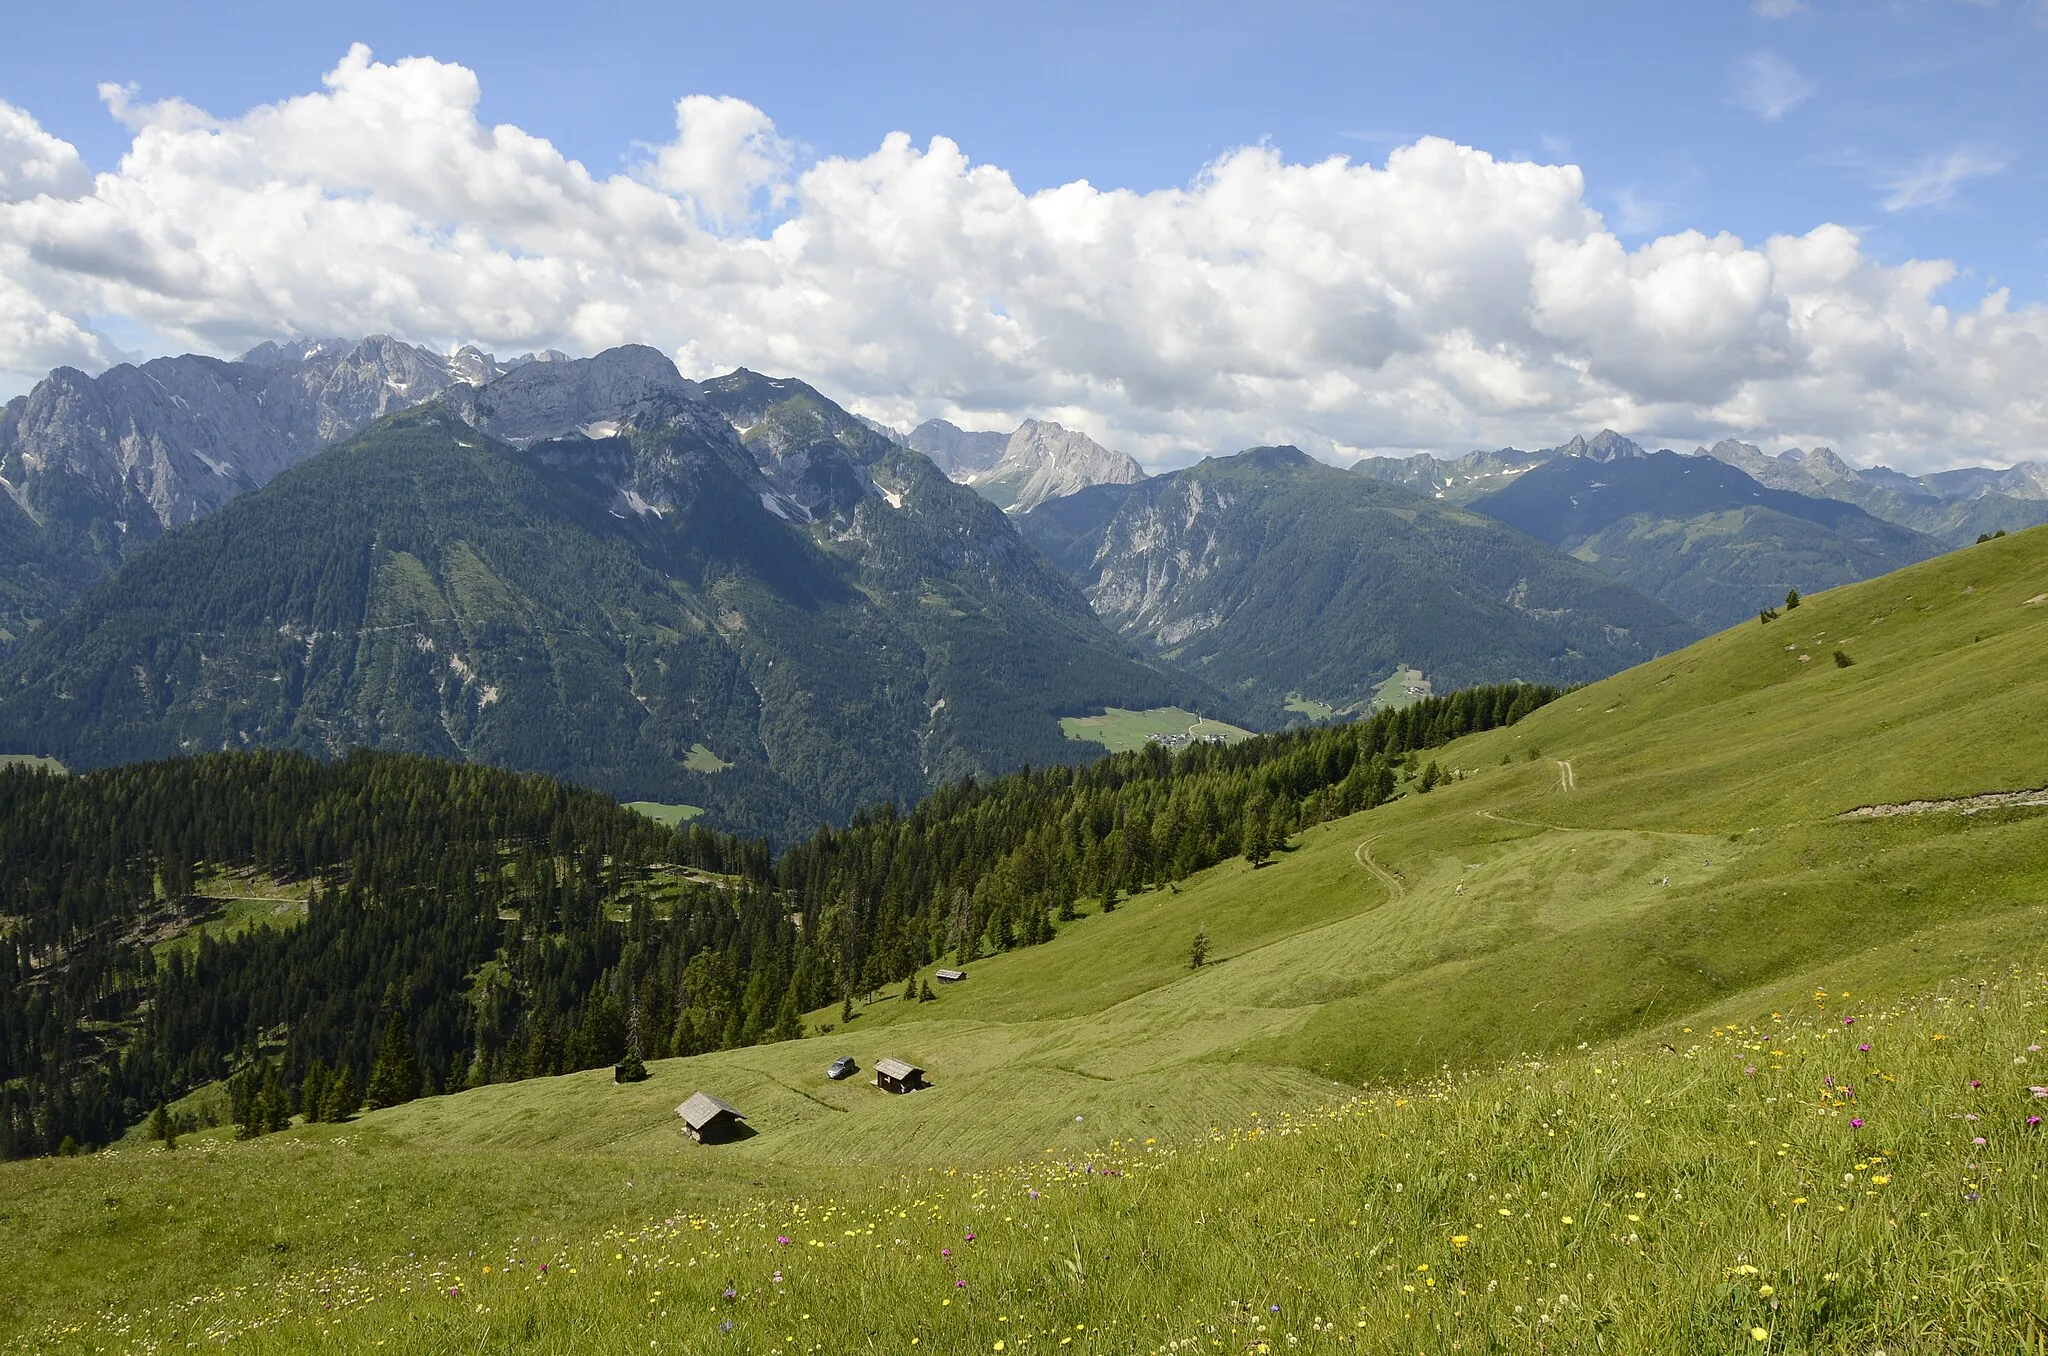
1688,1010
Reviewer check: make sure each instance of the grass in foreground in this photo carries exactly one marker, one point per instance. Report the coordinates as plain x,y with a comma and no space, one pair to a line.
1120,731
1846,1177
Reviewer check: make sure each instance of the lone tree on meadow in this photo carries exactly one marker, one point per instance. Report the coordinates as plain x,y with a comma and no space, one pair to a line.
1791,599
1198,954
1258,845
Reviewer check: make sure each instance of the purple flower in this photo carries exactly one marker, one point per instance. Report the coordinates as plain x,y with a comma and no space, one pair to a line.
959,1285
731,1293
1865,1047
1848,1021
1975,1084
1749,1071
970,1235
725,1326
783,1239
1978,1140
543,1268
945,1252
1855,1122
2033,1121
1032,1193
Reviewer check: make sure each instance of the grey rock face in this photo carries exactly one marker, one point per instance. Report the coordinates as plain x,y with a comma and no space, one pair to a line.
556,397
1044,461
172,440
956,451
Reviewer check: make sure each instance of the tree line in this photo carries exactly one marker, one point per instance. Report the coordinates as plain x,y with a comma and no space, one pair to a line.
466,925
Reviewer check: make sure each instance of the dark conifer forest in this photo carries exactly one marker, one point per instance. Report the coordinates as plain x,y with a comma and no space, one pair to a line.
467,925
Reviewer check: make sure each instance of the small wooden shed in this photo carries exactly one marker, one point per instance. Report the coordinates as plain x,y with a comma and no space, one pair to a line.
949,976
895,1075
711,1120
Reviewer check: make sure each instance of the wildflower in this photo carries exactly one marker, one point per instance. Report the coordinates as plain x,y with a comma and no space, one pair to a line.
1459,1240
2033,1121
1765,1291
970,1235
1855,1122
783,1239
999,1344
1880,1180
1978,1140
1976,1083
1759,1334
959,1285
1848,1021
1865,1047
945,1252
731,1293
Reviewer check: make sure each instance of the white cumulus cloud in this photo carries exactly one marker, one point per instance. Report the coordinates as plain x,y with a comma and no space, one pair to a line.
1442,300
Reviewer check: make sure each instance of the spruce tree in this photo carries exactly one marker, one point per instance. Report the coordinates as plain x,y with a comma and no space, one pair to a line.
274,1106
313,1092
343,1099
789,1023
1791,599
395,1078
160,1127
910,989
1198,954
924,992
1257,847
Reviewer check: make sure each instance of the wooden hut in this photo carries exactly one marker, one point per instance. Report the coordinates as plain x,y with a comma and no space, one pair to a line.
949,976
895,1075
711,1120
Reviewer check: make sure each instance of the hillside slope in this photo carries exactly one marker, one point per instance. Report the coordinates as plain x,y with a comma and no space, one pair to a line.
1270,574
1713,862
1697,534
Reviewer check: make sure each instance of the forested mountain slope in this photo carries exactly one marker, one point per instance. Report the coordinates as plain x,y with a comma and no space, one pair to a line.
779,631
1699,535
1272,574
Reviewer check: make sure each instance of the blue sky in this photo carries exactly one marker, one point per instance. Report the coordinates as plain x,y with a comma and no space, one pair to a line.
1648,97
1436,295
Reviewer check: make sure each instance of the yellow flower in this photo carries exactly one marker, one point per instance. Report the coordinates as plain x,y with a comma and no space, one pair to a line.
999,1344
1564,1219
1765,1291
1459,1240
1880,1180
1759,1334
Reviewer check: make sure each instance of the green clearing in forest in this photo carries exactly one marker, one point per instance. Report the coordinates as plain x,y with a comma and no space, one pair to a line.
1595,1024
1308,706
1403,687
47,764
666,814
701,759
1120,731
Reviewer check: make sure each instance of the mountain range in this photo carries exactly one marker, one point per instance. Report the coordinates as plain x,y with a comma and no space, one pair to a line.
1954,507
1281,579
731,595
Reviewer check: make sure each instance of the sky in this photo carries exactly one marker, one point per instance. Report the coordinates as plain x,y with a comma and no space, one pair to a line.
1184,228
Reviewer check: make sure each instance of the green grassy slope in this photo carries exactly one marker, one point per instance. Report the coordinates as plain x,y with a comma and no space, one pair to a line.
1498,917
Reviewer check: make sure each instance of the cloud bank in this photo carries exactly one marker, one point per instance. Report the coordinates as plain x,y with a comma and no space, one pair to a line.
1444,300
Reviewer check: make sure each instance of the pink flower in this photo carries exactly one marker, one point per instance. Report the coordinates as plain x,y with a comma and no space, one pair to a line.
1865,1047
1848,1021
1855,1122
783,1239
959,1285
945,1252
1978,1140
